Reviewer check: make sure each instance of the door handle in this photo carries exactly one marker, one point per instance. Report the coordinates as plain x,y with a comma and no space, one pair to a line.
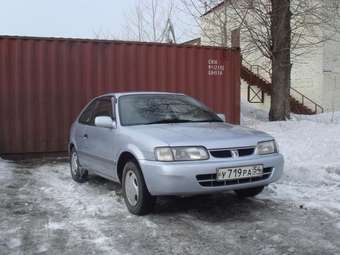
85,136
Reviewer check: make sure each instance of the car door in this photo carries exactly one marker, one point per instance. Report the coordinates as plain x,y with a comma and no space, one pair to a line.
100,140
84,121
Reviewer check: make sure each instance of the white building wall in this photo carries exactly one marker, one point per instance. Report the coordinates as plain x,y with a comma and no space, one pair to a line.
315,74
330,91
265,106
307,76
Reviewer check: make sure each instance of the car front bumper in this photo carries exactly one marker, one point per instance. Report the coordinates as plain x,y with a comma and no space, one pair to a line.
180,178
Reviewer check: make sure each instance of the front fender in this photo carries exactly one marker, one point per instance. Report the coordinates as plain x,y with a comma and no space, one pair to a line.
134,150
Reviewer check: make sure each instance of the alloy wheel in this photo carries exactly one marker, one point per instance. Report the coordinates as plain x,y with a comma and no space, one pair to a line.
74,164
131,187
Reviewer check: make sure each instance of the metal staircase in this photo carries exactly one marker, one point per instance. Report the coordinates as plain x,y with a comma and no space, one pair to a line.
299,103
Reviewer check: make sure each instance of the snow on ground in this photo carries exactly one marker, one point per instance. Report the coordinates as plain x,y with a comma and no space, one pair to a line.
41,207
311,147
44,212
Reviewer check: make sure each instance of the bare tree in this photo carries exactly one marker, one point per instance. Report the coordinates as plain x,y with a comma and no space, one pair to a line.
274,32
280,56
150,21
104,35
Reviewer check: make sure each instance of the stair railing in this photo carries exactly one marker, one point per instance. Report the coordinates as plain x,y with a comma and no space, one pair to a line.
304,100
260,71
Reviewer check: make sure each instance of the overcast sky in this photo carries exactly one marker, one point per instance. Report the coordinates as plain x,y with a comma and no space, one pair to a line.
63,18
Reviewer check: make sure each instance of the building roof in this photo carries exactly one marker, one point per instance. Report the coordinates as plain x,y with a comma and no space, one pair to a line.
195,41
214,8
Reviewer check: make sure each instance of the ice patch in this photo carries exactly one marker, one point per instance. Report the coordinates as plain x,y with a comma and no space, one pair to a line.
13,243
276,238
5,166
55,225
338,225
149,223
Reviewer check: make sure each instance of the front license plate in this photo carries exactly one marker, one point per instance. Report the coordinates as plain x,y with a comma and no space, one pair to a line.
232,173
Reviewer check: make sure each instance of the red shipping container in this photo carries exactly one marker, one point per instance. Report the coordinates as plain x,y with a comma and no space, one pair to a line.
45,82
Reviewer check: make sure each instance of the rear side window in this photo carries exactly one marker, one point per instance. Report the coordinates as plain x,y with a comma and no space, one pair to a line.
86,117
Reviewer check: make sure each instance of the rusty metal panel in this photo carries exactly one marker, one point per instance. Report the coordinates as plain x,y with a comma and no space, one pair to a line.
45,82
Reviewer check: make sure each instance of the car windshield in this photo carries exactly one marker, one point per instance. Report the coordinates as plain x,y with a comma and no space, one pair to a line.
147,109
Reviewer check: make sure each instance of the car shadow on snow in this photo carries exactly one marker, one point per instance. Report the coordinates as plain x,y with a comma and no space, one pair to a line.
212,207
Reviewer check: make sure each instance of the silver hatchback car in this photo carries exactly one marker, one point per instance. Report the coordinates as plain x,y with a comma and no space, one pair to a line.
158,144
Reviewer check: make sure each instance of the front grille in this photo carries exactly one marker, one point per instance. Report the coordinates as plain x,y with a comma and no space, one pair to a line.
245,152
209,180
221,154
226,153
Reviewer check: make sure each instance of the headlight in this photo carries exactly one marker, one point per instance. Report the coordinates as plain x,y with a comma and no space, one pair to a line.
181,153
267,147
164,154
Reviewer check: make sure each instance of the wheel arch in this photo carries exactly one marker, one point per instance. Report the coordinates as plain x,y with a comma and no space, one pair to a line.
72,145
123,158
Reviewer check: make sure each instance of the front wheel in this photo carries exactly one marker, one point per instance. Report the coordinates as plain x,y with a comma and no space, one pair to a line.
136,195
77,172
251,192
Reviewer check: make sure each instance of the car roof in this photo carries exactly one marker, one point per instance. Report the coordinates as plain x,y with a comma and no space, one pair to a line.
119,94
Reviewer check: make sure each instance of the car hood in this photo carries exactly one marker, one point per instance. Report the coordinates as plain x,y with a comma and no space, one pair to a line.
209,135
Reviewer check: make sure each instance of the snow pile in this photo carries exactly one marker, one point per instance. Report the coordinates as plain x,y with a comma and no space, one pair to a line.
326,118
251,115
311,147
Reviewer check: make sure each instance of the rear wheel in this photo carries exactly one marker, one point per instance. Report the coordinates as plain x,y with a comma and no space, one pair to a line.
77,172
251,192
136,195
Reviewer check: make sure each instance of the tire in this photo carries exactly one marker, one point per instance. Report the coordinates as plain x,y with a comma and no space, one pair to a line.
137,198
251,192
77,172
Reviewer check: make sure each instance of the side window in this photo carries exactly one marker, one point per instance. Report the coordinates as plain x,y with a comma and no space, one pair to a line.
103,108
86,116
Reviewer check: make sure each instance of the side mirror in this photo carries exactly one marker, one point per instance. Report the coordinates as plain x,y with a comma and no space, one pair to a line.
104,122
221,116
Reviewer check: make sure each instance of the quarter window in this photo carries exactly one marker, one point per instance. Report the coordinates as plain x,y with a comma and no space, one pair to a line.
86,116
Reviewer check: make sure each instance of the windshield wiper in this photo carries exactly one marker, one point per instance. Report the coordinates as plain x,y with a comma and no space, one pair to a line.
167,121
209,121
